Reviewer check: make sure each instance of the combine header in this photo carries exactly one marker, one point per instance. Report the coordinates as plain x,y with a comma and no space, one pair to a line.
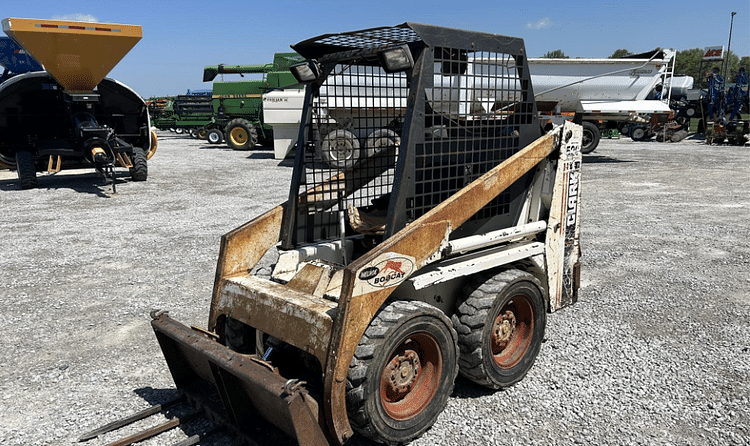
431,240
70,115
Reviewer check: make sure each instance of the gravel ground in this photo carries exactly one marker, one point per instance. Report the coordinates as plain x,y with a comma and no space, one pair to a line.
657,350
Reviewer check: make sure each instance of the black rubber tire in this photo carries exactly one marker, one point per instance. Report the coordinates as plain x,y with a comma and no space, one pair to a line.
638,133
591,137
179,130
139,171
624,129
511,302
381,139
340,149
214,136
194,133
402,330
26,170
240,134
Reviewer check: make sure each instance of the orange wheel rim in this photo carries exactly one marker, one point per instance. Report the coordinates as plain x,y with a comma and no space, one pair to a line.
512,331
410,379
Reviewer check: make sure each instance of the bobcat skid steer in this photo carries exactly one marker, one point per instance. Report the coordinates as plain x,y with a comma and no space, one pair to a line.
430,227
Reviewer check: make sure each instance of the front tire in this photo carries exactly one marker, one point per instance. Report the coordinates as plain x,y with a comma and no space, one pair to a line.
402,372
340,149
500,326
214,136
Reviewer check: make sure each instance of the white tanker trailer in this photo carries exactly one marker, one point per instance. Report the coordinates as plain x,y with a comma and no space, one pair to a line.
605,90
591,91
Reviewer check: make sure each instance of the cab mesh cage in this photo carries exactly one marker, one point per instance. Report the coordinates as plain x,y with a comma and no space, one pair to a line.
380,149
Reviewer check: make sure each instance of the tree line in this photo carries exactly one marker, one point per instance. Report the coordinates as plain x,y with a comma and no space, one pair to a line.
688,62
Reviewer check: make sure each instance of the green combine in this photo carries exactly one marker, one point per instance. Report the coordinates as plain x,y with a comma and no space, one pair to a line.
238,105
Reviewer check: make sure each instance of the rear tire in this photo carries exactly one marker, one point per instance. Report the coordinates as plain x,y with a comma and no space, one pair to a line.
241,135
381,139
139,171
26,169
402,372
500,326
591,137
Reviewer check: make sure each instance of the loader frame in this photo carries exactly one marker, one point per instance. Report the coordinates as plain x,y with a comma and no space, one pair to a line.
420,162
330,329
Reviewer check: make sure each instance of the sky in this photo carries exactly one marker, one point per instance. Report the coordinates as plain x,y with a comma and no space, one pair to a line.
181,37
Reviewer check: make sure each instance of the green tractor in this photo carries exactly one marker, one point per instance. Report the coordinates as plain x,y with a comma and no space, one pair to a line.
238,105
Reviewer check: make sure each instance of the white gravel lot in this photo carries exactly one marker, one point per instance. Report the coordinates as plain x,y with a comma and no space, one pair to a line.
656,352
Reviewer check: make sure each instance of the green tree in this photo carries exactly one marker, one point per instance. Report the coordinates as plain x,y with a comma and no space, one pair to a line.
619,54
688,62
556,54
745,62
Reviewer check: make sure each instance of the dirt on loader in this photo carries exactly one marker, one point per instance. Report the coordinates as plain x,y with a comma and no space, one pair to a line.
656,351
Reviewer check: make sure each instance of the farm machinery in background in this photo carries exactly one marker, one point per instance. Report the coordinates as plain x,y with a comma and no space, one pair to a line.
435,248
721,106
70,115
188,113
238,105
161,112
14,60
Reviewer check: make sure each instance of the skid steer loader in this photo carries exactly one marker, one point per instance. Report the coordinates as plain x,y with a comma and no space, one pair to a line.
430,227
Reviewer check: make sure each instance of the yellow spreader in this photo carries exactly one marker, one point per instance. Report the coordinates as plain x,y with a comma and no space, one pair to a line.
77,54
99,122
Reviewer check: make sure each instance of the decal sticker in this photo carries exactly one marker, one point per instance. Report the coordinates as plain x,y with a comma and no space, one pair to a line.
385,271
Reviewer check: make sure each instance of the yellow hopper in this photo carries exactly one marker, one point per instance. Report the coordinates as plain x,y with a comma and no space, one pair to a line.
77,54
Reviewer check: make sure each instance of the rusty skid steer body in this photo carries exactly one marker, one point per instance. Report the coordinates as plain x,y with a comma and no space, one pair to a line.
430,227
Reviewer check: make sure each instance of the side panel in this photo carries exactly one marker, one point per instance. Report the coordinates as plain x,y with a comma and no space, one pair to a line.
563,229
